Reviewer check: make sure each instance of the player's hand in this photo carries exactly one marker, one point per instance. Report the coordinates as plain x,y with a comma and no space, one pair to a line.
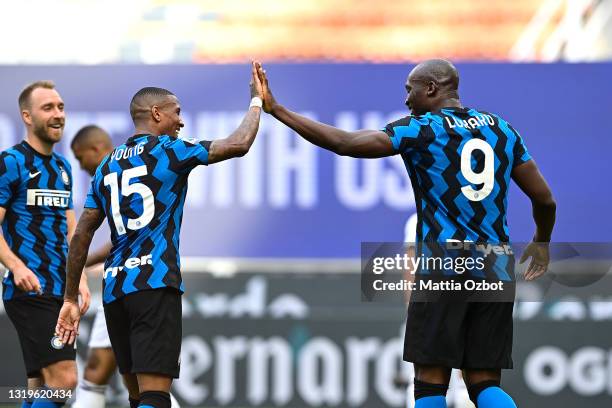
85,294
269,103
67,328
255,84
540,258
25,279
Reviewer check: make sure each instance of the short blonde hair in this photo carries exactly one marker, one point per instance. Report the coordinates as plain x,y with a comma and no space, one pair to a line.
24,96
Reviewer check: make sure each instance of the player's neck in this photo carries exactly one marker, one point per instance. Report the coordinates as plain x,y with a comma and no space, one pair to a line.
146,130
40,146
449,103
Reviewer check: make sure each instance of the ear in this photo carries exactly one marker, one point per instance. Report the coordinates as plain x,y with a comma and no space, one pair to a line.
26,117
432,88
155,112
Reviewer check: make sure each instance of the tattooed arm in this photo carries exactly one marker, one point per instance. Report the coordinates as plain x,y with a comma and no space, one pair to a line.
240,141
100,255
70,315
83,285
79,246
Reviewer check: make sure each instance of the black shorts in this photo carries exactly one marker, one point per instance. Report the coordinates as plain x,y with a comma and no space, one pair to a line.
35,318
145,330
470,335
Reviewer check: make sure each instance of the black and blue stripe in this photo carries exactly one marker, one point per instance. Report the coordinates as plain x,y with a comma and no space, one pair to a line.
36,231
168,162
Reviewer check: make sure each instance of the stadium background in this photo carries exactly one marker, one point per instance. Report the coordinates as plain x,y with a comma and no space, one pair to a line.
273,313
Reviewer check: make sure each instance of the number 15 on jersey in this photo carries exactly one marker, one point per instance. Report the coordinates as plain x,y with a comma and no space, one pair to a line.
127,189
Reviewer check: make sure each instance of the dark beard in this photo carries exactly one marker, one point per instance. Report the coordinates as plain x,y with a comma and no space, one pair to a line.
40,130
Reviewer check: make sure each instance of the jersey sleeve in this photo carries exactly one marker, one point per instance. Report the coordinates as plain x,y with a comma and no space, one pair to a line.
404,134
9,178
69,170
520,154
92,200
186,154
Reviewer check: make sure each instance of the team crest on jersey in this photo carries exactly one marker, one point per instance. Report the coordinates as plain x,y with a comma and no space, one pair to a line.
56,343
65,177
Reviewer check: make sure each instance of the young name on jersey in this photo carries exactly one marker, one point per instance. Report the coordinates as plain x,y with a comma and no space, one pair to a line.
126,153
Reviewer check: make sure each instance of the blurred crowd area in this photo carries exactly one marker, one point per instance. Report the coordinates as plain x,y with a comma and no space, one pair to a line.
235,31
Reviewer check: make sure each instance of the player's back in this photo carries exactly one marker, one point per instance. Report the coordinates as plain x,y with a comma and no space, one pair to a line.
459,161
141,188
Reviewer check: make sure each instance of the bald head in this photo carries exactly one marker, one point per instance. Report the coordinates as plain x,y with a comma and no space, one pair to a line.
145,99
439,71
432,85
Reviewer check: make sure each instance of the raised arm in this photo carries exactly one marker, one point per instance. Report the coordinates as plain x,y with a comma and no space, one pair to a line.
70,315
362,143
532,183
240,141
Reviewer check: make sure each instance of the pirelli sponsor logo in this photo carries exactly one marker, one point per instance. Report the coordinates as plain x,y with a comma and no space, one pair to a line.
48,198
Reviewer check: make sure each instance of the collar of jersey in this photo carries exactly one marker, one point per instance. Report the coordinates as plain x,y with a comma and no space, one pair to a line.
455,108
36,152
136,136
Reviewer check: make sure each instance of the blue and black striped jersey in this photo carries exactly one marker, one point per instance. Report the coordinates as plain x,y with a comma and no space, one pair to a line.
36,191
459,161
141,188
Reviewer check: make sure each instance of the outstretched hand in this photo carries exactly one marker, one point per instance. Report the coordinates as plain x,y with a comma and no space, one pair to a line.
255,84
67,327
540,258
268,99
